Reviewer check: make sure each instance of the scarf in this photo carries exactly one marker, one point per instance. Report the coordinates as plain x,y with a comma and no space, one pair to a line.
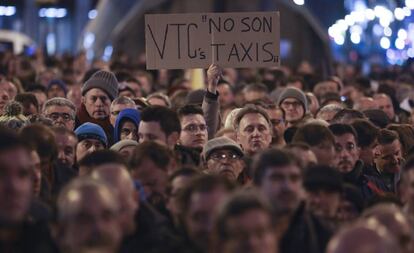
82,116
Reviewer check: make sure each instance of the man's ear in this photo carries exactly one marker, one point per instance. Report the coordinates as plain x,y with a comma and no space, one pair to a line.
237,136
83,99
238,141
172,139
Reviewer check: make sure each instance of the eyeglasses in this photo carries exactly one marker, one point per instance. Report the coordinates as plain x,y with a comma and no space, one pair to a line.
223,156
65,116
294,104
192,128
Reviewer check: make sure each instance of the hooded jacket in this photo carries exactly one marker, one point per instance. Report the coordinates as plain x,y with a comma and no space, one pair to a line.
126,114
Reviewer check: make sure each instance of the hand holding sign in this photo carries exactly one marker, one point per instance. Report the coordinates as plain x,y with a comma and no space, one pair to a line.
196,40
213,76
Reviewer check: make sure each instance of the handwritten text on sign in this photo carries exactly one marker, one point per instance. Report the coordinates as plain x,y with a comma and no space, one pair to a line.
247,39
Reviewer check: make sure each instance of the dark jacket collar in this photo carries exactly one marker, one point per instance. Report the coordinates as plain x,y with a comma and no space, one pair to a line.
355,175
82,116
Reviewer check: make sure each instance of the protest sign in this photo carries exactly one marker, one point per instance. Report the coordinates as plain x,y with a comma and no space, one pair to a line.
240,40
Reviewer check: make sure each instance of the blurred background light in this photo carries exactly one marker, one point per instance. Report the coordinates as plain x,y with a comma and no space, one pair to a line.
92,14
409,4
299,2
52,12
399,43
355,38
399,14
339,39
7,11
387,31
385,43
402,34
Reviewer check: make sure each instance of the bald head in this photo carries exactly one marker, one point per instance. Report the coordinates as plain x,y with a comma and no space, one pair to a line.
88,217
364,237
119,179
114,174
77,194
395,221
365,103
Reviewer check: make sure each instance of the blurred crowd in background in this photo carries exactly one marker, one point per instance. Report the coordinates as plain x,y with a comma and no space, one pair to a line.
110,157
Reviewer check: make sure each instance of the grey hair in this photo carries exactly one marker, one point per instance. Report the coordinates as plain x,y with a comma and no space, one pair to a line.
122,101
162,97
59,101
329,108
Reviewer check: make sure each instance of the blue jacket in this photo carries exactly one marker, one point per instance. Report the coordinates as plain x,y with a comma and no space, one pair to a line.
130,114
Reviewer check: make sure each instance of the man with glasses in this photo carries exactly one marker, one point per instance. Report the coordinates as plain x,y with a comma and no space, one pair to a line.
118,105
97,94
293,101
61,111
194,128
91,137
222,156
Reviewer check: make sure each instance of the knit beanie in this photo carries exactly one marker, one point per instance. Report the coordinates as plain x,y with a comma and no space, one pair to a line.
59,83
13,117
122,144
90,130
292,92
103,80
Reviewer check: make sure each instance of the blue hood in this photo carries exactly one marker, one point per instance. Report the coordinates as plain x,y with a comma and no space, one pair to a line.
130,114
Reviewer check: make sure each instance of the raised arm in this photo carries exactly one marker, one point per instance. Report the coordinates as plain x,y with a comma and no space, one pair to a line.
211,106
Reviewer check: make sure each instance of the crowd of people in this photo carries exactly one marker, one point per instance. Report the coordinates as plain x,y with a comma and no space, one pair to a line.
110,157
